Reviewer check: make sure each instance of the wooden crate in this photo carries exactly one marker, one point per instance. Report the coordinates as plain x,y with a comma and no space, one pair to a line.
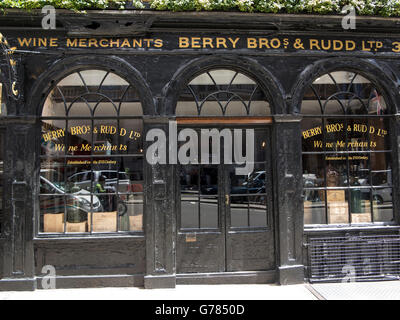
136,223
103,221
365,216
335,196
77,227
338,212
360,217
53,222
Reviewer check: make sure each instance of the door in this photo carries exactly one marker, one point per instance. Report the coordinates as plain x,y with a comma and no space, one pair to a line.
225,220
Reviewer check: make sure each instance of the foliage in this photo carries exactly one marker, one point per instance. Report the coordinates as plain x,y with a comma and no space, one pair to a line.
363,7
75,5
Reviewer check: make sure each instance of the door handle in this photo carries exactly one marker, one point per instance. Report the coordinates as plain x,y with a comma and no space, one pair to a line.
227,199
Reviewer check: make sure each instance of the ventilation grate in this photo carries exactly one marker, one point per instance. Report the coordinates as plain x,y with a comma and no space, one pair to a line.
354,258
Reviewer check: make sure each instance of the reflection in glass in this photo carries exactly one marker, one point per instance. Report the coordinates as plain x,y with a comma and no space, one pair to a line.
314,207
383,204
209,212
313,171
84,142
257,211
344,153
239,212
189,214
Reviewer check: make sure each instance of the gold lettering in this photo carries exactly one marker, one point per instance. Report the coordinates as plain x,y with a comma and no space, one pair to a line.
352,43
93,43
72,43
158,43
337,45
24,42
275,43
82,42
207,42
137,43
221,42
53,42
183,42
103,43
263,42
314,43
196,42
233,41
251,43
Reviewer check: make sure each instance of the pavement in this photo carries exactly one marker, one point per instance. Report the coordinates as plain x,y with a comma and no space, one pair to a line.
385,290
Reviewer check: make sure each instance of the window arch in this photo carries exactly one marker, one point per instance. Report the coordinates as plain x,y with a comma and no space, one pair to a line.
222,92
346,148
91,174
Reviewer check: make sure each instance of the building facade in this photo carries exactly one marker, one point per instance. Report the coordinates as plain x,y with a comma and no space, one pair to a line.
88,191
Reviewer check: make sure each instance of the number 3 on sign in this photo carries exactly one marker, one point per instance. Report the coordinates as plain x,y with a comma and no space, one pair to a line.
396,46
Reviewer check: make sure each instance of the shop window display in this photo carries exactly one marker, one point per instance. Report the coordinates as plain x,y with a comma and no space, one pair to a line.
91,174
346,147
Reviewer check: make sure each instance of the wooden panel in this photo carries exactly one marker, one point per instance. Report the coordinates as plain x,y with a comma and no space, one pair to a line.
118,255
250,251
200,253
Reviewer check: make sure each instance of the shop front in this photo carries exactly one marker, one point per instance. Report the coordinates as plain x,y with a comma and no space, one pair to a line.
155,149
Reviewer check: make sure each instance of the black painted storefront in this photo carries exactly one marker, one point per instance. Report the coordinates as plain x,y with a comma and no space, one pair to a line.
163,254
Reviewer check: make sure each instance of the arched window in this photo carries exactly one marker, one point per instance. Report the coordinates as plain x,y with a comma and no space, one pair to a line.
91,173
347,167
222,92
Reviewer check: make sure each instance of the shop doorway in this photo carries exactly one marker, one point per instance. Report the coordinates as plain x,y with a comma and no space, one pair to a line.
225,220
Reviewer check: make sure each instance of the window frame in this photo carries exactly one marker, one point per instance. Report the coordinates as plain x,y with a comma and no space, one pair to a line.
93,118
347,152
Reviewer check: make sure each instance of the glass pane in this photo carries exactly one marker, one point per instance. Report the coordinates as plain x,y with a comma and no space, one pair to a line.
103,192
335,134
360,203
258,211
239,212
209,180
383,205
51,211
311,134
190,214
222,92
130,136
359,169
338,207
260,145
358,135
255,182
132,219
313,170
53,138
79,137
209,212
189,182
314,207
336,171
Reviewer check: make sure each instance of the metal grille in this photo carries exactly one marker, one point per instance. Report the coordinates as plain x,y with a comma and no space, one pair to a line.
354,258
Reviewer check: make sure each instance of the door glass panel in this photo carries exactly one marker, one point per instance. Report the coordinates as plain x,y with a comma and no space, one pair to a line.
209,180
209,212
189,214
199,196
239,212
258,211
